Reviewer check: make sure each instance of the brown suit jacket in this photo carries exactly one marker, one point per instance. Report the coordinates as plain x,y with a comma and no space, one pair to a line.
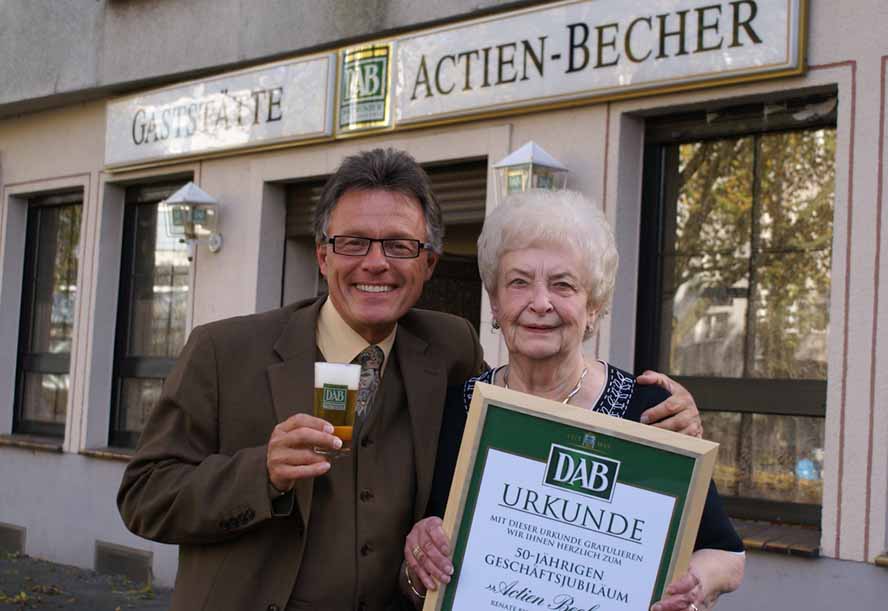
199,478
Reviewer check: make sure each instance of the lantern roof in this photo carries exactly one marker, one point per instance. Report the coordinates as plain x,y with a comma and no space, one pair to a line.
530,153
191,194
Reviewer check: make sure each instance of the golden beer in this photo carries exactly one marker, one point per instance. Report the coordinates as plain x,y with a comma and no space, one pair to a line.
335,397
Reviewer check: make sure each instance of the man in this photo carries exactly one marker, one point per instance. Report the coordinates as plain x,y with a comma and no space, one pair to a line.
226,466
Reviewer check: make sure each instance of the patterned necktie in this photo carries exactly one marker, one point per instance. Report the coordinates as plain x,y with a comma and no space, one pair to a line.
370,360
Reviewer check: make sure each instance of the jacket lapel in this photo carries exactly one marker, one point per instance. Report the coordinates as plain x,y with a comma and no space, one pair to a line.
425,384
292,380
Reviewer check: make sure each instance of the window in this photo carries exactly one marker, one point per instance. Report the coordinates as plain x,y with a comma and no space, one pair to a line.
152,317
734,294
49,296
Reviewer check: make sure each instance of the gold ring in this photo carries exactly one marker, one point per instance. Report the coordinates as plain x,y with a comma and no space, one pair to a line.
418,552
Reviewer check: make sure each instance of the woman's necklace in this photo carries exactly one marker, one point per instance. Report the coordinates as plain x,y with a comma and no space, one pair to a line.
569,396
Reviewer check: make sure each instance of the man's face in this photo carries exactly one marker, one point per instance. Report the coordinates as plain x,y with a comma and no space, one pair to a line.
372,292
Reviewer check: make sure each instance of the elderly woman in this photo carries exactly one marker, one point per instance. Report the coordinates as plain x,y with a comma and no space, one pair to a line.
548,261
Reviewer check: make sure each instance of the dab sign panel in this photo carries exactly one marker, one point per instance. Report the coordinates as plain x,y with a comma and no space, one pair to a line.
364,88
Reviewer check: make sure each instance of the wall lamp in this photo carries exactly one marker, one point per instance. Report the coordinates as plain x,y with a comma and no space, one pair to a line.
529,167
193,214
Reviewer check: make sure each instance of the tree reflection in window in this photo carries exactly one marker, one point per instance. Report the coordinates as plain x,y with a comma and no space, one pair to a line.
745,277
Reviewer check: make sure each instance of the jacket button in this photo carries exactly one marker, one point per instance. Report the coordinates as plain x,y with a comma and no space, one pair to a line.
366,441
366,496
366,549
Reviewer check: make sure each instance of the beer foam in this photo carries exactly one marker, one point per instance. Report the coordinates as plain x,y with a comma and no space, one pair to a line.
341,374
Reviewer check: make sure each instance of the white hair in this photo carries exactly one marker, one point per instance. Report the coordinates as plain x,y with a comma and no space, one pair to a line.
565,218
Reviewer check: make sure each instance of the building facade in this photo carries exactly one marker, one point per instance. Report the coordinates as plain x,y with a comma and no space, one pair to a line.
746,196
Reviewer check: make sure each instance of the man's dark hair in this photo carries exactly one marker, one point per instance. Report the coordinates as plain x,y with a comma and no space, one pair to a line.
387,169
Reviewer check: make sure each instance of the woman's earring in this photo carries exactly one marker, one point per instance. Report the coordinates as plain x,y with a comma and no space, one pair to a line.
495,324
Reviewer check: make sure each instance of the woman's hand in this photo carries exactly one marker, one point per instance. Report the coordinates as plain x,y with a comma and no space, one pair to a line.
711,573
683,594
427,554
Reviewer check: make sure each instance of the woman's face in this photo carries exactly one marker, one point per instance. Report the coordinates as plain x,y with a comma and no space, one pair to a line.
540,301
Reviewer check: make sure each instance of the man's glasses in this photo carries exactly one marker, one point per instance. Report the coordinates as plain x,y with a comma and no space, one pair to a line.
394,248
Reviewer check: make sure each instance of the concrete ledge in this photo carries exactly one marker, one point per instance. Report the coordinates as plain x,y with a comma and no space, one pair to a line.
118,454
134,564
32,442
12,538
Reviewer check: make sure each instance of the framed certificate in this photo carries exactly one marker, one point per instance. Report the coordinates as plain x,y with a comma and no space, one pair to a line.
558,508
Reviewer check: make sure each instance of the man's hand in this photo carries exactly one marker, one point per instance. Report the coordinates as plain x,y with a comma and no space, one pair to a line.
677,413
291,454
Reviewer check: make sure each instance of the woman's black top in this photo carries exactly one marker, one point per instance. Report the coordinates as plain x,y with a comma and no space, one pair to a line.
621,398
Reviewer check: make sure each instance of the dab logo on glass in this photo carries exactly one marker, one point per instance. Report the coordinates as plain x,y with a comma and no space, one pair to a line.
335,397
581,472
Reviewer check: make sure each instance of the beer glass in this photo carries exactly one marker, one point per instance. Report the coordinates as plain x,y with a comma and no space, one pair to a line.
335,396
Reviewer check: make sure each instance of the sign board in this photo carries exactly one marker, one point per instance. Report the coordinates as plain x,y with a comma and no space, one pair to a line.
556,507
592,49
282,102
546,56
364,84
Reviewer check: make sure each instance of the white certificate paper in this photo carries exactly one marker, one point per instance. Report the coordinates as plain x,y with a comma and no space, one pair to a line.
532,546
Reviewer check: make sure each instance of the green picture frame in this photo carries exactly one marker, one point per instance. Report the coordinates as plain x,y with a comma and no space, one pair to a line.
556,507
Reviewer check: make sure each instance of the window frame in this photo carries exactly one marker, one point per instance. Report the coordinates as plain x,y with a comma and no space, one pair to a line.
782,397
127,366
37,362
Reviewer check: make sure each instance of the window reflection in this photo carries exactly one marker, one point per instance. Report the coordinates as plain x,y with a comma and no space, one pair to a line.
45,398
49,300
746,254
747,262
154,311
779,458
160,288
139,397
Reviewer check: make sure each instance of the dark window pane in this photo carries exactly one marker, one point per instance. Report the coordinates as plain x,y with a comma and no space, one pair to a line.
137,398
777,458
49,296
159,288
44,398
58,235
152,311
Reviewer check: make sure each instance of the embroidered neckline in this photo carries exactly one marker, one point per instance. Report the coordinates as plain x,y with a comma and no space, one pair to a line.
613,400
